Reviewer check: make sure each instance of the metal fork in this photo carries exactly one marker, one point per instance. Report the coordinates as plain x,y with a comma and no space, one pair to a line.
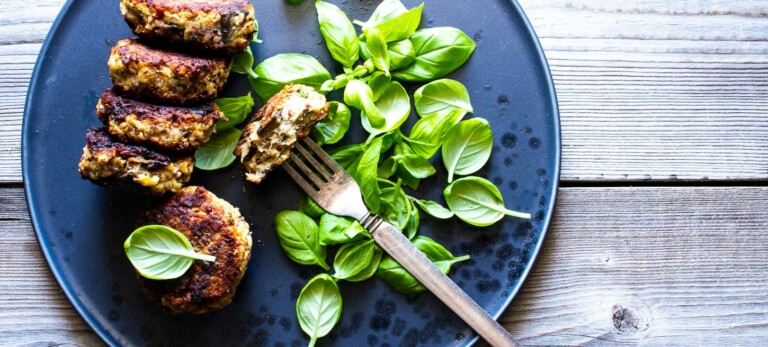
338,193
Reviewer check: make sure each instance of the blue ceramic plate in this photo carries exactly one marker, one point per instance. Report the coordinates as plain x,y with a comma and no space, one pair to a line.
81,227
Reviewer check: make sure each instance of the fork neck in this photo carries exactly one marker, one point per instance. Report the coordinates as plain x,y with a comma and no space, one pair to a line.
371,222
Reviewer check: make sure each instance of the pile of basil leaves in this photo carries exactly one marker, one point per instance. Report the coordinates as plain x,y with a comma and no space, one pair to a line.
392,50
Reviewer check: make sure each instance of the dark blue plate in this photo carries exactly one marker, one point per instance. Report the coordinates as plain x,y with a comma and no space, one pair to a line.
81,227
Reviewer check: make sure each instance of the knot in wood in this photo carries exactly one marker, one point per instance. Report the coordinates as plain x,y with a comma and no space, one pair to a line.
627,320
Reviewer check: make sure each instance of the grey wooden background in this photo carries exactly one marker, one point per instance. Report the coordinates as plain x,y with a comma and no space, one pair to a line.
660,235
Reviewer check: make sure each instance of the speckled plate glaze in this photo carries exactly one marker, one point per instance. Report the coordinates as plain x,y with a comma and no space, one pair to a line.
81,227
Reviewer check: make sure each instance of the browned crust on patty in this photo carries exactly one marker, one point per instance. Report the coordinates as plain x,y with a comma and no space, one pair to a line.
215,26
213,227
167,127
221,6
98,140
110,163
144,72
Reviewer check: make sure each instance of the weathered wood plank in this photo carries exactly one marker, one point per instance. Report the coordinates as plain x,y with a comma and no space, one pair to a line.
654,266
34,311
648,89
658,89
23,27
650,266
16,64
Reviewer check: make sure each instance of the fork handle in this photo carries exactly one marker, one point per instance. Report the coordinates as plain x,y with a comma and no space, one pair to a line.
413,260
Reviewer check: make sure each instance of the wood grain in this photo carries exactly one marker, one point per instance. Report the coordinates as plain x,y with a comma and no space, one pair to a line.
653,266
33,311
23,27
648,90
650,266
658,89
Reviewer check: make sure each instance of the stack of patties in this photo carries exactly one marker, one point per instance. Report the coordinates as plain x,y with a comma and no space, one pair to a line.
158,112
161,109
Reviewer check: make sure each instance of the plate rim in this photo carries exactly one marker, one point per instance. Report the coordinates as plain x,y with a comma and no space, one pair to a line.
53,267
558,159
100,331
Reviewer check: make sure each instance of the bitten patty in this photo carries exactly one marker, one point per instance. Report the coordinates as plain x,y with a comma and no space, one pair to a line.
143,72
217,26
107,162
213,227
167,127
286,118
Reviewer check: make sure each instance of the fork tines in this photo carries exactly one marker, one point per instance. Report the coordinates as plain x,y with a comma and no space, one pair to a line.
305,155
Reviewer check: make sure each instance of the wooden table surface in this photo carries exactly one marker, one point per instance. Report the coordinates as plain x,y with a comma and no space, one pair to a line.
660,235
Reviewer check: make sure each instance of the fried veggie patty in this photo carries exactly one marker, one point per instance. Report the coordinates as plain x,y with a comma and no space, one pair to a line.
143,72
107,162
213,227
167,127
219,26
286,118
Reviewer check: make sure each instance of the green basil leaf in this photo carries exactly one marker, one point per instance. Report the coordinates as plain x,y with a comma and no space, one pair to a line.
310,207
402,148
348,156
441,96
366,175
442,258
364,49
159,252
236,109
290,68
299,238
467,147
319,307
401,54
387,168
427,134
434,209
477,201
242,63
352,258
332,128
394,274
395,206
355,229
377,48
413,223
338,82
439,51
397,27
394,106
416,165
339,33
379,82
359,95
336,229
217,153
388,140
370,270
387,10
407,178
